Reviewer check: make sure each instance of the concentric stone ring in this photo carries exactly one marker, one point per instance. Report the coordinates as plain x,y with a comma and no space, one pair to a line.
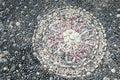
70,42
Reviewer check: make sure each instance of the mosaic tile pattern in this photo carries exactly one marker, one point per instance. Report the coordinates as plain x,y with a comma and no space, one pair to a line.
70,42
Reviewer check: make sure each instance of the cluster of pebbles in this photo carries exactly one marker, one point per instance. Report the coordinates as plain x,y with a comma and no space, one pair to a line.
70,42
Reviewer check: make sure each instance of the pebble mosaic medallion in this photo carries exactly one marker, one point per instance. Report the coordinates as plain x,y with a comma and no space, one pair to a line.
70,42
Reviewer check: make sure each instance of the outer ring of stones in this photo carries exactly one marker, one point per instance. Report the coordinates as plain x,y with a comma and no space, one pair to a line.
50,61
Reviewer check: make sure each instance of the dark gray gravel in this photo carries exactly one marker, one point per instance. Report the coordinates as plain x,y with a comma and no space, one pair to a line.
18,20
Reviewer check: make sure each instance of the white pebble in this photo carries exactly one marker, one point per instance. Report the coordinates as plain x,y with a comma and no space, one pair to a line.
18,23
25,7
88,73
113,70
118,9
34,53
56,0
106,78
5,68
115,79
37,73
118,15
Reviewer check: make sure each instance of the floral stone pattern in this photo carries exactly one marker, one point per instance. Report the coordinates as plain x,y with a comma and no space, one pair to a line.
70,42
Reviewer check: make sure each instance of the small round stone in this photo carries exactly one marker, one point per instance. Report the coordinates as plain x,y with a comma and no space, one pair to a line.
72,37
20,65
115,79
113,70
1,61
37,73
25,7
118,15
66,40
6,52
76,34
18,23
69,31
38,17
51,78
113,56
106,78
13,68
78,41
23,57
64,34
56,0
5,68
88,73
34,53
46,1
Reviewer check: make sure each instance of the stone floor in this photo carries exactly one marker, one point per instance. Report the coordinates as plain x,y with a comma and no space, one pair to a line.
18,19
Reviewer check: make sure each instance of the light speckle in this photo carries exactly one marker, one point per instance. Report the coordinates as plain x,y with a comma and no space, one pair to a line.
118,15
37,73
18,23
56,0
38,17
5,68
115,79
106,78
88,73
113,70
118,9
25,7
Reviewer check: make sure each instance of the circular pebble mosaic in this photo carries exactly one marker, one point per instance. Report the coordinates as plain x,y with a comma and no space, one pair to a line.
70,42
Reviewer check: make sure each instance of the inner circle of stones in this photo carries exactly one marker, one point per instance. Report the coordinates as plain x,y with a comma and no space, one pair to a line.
70,37
72,42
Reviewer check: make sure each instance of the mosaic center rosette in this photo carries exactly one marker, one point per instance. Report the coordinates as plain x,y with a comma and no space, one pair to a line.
70,42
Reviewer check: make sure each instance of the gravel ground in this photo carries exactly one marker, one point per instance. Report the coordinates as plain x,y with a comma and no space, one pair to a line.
18,20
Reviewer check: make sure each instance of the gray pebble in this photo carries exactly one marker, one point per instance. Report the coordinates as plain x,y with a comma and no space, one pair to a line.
13,68
11,59
118,9
51,78
16,52
5,52
5,48
106,78
30,24
11,35
4,40
113,56
23,32
32,67
23,57
17,8
0,29
8,77
115,79
56,0
46,1
38,17
33,12
1,61
25,7
37,73
5,68
14,45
